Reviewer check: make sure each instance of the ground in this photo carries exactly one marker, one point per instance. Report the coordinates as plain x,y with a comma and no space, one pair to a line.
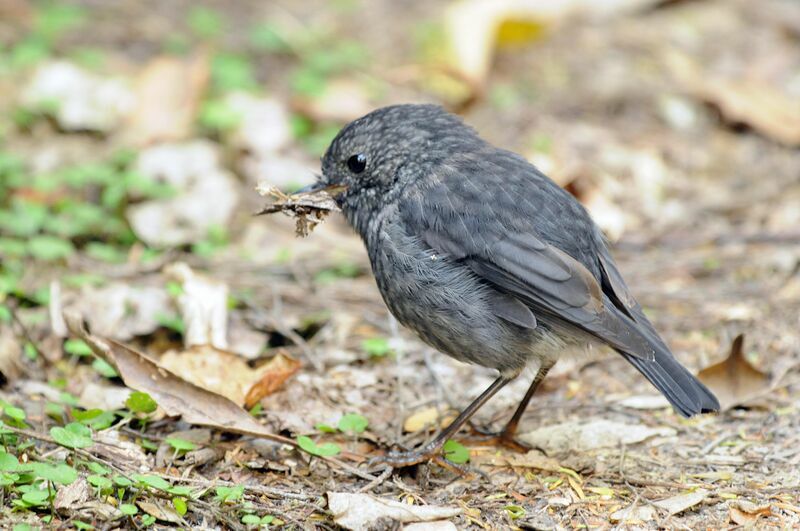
676,125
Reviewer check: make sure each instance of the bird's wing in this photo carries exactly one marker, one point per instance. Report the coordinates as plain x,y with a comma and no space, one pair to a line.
519,264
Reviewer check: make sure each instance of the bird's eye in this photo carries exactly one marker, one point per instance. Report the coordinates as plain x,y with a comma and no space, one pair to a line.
357,163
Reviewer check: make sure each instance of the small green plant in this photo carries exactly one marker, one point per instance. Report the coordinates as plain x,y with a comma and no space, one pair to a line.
268,37
321,450
153,482
255,520
180,445
353,423
232,72
128,509
179,504
104,368
324,428
456,452
217,116
97,419
73,435
515,512
376,347
205,23
229,494
77,347
139,402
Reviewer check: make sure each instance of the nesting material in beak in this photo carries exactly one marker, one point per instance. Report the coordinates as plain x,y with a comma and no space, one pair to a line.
309,206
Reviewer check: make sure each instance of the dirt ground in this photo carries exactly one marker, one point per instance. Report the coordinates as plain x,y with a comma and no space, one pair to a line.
700,196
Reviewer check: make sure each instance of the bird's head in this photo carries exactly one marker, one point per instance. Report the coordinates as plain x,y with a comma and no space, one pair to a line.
372,158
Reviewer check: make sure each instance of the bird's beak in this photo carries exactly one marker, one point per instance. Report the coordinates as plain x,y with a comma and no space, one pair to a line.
333,190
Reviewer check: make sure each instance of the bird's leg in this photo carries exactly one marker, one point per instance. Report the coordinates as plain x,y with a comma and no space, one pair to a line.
432,449
506,436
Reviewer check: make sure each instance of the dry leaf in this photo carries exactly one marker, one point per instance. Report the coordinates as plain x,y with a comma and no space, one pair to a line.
635,513
681,502
308,208
362,511
734,380
160,511
265,124
534,459
581,437
753,102
421,419
203,304
205,193
69,496
103,396
475,26
82,100
760,106
271,378
173,394
227,374
168,94
747,513
119,311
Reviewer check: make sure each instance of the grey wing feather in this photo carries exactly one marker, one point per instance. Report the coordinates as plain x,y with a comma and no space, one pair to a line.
547,280
512,310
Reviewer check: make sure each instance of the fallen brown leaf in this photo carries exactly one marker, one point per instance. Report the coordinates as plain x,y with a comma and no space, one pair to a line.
71,495
582,437
753,102
160,511
308,208
746,513
362,511
681,502
229,375
205,193
421,419
271,378
174,395
203,304
756,104
168,93
476,27
734,380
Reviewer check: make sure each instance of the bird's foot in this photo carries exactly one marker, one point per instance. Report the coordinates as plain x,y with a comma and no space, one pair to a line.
505,438
430,453
401,459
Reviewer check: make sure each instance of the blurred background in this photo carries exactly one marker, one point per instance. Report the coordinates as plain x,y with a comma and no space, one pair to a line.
133,134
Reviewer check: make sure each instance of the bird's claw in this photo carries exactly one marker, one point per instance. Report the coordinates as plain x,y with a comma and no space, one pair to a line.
400,459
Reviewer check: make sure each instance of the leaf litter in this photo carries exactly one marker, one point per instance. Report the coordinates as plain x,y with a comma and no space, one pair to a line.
667,177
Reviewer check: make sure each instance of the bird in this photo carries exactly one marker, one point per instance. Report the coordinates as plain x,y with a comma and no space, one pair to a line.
486,259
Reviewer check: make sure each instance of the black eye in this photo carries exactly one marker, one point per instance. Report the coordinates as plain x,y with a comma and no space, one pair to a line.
357,163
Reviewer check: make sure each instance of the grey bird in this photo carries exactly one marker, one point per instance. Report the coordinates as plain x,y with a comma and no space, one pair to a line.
486,258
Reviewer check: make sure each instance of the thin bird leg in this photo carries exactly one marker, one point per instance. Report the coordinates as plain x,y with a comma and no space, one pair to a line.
433,448
506,436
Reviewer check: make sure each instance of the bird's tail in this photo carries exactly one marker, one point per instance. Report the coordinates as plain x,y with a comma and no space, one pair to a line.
685,392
